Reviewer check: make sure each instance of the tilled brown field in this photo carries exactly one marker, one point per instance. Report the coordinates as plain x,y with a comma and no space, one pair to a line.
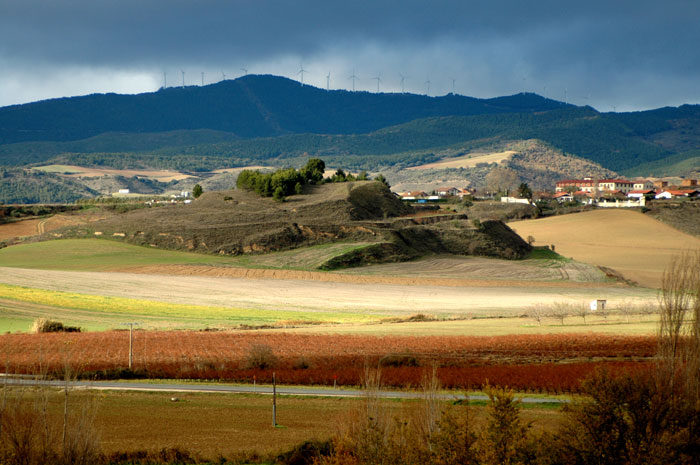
547,363
637,246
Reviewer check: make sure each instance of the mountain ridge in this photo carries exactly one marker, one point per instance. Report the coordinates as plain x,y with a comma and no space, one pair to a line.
250,106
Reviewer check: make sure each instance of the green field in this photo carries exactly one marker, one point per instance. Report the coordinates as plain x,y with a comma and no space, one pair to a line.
59,169
238,426
95,255
20,305
105,254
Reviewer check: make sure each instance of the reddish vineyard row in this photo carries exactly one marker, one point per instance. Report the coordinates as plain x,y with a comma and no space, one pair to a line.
546,363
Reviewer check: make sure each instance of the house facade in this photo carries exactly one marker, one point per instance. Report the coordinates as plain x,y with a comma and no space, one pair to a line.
611,185
642,185
585,184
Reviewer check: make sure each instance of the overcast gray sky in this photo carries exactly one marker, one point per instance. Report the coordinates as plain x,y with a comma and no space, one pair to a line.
623,54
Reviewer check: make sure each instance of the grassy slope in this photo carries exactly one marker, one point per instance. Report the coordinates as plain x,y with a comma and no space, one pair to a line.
104,255
681,164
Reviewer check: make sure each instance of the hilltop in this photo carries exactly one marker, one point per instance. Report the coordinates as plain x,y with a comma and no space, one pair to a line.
367,213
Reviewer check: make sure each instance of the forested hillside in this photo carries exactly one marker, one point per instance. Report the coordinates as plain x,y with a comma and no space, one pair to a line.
276,121
251,106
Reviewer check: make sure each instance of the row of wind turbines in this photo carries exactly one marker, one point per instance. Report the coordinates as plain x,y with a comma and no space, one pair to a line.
353,77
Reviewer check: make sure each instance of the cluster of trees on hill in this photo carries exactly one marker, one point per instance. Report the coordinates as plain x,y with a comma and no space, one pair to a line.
289,181
283,182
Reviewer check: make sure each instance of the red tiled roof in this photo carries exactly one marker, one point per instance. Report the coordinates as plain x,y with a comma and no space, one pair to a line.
575,181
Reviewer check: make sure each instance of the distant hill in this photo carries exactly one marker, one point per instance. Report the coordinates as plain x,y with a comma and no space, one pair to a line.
278,122
250,106
576,130
18,186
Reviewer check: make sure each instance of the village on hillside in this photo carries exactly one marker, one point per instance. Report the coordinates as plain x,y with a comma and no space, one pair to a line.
590,191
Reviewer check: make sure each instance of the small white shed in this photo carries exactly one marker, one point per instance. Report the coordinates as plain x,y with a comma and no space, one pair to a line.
598,304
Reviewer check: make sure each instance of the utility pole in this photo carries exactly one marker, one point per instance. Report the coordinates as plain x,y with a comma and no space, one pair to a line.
274,400
131,342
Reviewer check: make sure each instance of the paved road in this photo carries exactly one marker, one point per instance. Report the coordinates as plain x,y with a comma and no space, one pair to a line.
251,389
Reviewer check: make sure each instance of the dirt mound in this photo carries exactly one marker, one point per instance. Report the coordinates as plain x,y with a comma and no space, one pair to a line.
238,221
241,222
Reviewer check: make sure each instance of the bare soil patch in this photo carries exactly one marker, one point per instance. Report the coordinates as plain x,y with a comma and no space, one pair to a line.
467,161
72,171
390,274
21,228
320,292
39,226
635,245
487,270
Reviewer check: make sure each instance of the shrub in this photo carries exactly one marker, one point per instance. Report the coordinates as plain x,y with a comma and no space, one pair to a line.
306,453
44,325
197,191
261,357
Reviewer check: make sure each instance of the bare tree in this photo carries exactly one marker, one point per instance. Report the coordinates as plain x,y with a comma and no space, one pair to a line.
501,179
679,328
559,311
537,312
582,311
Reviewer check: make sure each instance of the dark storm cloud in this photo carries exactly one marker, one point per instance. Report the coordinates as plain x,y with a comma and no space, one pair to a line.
634,53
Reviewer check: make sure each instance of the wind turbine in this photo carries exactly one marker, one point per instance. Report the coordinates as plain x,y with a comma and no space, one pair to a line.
328,81
183,78
453,85
566,91
245,71
302,71
353,77
223,75
202,78
379,79
403,78
165,80
428,84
